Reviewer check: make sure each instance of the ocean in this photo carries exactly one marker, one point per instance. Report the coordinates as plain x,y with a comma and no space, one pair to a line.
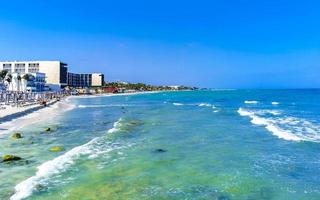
213,144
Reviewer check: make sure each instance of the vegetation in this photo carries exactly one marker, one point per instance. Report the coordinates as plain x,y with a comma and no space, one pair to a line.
7,158
3,74
144,87
16,136
28,77
56,149
8,78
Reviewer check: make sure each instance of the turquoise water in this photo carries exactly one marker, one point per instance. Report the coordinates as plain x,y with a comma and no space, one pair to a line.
223,144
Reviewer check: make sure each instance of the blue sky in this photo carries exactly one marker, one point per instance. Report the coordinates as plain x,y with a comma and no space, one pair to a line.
217,43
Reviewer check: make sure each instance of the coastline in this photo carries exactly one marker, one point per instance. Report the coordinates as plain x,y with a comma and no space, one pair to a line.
11,113
17,118
109,137
32,114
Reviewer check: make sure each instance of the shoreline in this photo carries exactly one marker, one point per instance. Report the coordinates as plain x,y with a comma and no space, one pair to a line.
34,114
11,113
21,117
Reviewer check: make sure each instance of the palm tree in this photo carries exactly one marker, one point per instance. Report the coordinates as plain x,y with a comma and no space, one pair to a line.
3,74
8,79
19,81
26,77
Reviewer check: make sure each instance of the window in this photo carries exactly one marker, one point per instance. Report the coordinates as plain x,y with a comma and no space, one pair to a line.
7,67
20,68
33,67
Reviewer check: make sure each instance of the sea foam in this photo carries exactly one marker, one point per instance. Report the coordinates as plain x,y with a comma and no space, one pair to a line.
284,127
250,102
205,104
58,165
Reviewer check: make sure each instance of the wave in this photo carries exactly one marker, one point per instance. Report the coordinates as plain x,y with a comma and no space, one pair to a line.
275,103
284,127
116,126
59,164
250,102
208,105
178,104
205,104
198,104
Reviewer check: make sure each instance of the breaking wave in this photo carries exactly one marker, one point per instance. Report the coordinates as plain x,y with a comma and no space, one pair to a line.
284,127
205,104
59,164
250,102
198,104
209,105
178,104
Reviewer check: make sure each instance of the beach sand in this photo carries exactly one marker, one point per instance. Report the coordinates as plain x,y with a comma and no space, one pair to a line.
17,118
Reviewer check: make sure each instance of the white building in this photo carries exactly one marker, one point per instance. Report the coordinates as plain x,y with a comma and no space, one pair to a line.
55,71
85,80
97,80
33,82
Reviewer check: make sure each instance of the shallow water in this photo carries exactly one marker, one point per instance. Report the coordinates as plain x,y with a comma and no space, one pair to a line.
234,144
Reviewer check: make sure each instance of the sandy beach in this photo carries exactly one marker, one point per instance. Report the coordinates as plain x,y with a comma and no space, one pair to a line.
15,118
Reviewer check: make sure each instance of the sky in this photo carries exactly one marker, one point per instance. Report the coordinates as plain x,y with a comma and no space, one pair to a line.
213,43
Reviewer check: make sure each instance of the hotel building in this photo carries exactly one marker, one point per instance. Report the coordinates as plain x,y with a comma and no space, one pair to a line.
85,80
55,71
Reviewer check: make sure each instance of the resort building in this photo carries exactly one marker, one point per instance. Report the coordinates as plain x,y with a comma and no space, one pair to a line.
54,74
85,80
55,71
97,80
79,80
31,82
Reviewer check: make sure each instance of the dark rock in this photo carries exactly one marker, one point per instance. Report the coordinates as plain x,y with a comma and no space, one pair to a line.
8,158
56,149
16,136
160,150
40,187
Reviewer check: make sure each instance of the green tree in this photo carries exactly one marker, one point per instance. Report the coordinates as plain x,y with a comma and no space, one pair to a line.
3,74
8,78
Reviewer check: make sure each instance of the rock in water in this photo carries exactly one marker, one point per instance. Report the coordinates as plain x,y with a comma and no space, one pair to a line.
39,187
160,150
8,158
47,129
56,149
16,136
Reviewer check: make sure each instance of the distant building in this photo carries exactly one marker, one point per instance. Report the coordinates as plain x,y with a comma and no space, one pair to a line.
85,80
56,74
55,71
79,80
110,89
97,80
